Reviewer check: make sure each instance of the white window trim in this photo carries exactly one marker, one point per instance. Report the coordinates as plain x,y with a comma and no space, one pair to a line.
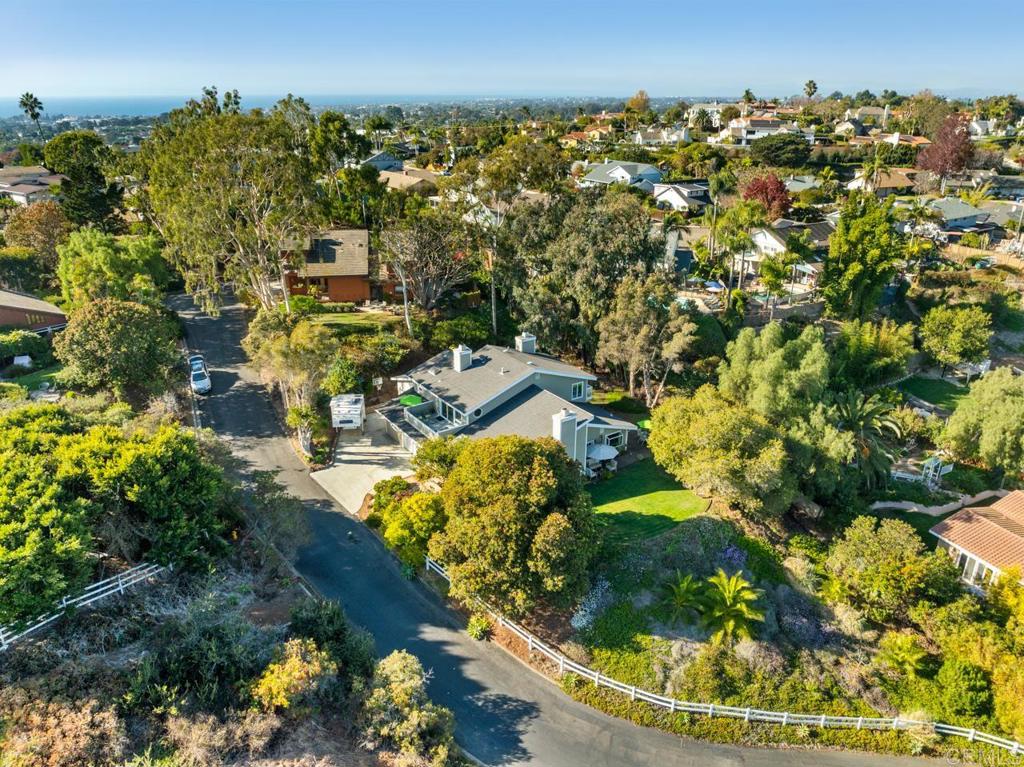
582,386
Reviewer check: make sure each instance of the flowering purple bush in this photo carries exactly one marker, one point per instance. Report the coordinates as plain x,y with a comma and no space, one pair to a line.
732,558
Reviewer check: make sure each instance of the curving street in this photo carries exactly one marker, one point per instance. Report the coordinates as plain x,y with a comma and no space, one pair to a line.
506,714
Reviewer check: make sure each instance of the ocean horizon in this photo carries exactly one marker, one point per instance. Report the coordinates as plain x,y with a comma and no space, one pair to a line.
131,106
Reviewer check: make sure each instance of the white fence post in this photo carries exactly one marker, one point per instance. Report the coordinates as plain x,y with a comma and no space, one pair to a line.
673,705
90,594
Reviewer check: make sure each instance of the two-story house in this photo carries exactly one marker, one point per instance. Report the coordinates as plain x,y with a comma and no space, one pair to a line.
335,263
496,391
686,196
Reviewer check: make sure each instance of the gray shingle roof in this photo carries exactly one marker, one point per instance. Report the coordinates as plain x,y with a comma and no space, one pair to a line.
600,173
529,413
25,302
951,208
494,369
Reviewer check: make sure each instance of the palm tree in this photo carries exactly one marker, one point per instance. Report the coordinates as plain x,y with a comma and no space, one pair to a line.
873,168
810,88
869,419
828,180
772,274
903,653
33,109
728,607
975,197
681,597
702,120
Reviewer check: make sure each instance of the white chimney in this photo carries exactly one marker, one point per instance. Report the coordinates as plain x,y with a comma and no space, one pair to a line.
526,343
462,358
563,428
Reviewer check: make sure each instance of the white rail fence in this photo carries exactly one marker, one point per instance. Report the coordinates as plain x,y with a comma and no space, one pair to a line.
748,714
92,593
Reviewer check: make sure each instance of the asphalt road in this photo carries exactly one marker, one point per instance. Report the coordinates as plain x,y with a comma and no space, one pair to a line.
506,714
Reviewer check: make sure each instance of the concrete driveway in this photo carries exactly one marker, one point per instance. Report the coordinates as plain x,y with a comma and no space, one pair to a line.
361,461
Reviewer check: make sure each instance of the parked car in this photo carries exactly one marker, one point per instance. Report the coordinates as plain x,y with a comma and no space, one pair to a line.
199,376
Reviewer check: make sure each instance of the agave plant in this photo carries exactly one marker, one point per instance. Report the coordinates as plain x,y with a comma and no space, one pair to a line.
729,607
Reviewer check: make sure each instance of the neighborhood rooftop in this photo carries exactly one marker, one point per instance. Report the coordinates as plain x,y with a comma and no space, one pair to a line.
493,369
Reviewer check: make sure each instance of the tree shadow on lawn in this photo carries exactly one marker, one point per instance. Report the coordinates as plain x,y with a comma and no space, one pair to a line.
632,526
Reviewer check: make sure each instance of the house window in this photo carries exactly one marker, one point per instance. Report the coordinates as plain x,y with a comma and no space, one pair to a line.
615,439
579,388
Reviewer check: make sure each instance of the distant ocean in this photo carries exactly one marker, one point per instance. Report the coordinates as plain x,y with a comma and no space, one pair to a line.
155,105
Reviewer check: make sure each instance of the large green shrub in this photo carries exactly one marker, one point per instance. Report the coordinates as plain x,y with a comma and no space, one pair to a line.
17,342
399,715
469,329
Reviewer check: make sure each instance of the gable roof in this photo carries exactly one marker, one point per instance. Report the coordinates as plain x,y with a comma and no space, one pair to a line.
601,172
994,533
493,370
952,208
821,231
336,253
406,179
797,184
528,414
12,299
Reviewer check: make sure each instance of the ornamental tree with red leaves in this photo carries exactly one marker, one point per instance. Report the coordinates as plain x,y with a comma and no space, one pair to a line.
951,150
770,192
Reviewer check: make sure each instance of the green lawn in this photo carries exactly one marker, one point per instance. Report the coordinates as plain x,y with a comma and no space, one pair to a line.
922,523
620,401
938,392
642,501
357,322
32,380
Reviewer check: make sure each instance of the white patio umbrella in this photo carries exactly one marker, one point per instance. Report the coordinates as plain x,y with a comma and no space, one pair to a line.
602,452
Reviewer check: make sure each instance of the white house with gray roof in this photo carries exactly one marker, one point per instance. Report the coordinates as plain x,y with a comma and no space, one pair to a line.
608,172
496,391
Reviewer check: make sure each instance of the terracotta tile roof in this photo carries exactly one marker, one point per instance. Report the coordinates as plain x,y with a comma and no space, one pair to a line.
993,533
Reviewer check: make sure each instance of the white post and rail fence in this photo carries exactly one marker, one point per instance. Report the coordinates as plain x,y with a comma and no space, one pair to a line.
535,645
89,595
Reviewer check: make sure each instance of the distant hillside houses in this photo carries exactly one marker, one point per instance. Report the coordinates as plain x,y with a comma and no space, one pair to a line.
25,185
742,131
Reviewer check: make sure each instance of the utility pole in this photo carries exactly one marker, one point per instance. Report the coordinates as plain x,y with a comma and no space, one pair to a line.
1020,231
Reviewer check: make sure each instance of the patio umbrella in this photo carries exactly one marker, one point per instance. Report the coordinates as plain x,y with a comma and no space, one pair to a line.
408,400
602,452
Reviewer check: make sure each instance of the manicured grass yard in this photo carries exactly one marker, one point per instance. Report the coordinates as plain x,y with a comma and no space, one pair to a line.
938,392
32,380
357,322
642,501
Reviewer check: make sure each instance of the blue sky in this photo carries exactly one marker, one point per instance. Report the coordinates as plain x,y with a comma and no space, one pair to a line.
494,47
